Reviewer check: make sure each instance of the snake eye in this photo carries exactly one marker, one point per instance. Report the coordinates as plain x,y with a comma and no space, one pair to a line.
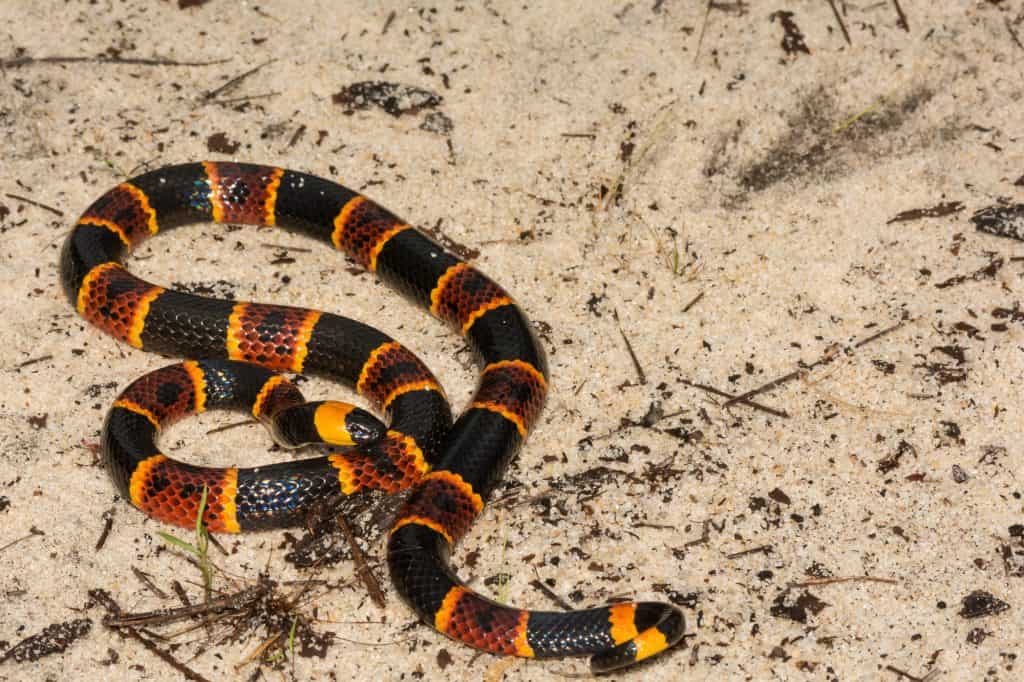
363,427
346,425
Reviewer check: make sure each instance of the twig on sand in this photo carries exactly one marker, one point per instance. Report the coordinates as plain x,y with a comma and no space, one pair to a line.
703,28
736,399
17,62
693,302
32,532
851,579
128,632
901,17
234,81
830,354
362,567
641,377
839,19
37,204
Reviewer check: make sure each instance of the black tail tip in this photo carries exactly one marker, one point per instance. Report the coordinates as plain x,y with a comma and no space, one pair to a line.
660,627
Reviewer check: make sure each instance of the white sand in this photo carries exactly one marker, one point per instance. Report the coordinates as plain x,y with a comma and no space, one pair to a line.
794,261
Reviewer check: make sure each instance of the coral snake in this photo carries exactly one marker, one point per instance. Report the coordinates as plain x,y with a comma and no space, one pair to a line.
450,467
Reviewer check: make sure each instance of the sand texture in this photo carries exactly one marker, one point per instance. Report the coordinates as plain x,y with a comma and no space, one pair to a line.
690,201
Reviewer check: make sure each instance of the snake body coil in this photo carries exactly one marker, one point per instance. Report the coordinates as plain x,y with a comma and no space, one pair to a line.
451,468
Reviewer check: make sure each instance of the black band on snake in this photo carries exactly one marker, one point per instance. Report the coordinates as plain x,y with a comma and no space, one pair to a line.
451,468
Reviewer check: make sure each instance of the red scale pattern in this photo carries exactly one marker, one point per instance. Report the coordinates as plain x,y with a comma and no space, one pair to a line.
466,292
172,491
515,388
113,299
122,207
396,464
269,335
390,369
281,396
244,194
168,393
443,501
485,625
365,225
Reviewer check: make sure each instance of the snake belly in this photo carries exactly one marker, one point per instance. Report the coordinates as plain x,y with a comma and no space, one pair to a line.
450,468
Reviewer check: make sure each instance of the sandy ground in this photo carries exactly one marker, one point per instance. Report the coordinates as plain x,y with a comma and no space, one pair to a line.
686,183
